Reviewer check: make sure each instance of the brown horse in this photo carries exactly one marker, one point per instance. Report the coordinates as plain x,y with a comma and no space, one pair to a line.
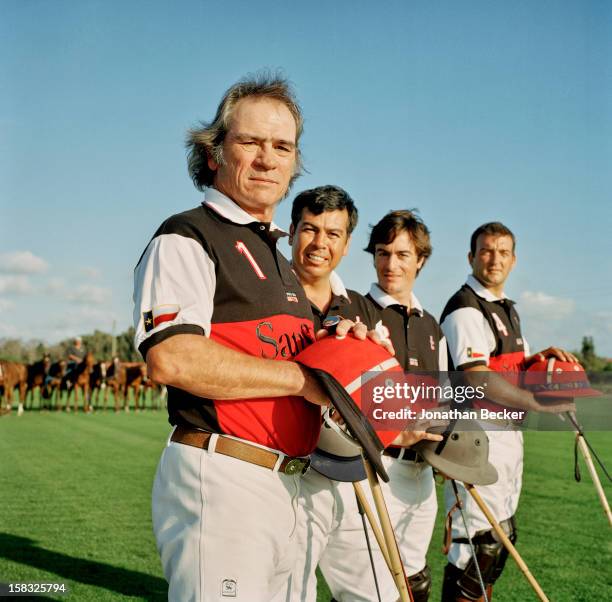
52,389
131,377
12,375
37,374
100,381
76,381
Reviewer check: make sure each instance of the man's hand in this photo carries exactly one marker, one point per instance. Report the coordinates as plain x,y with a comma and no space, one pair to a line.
417,431
409,438
360,331
560,354
312,390
551,405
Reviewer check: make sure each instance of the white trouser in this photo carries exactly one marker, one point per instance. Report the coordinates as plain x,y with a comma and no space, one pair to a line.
506,455
331,532
225,528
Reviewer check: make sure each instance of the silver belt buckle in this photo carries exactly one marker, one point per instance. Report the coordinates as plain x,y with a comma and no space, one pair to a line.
297,466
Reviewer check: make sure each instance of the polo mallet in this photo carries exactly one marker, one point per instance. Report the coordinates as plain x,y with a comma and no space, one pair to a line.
584,446
463,455
397,566
341,368
507,543
551,378
380,540
371,447
459,505
361,510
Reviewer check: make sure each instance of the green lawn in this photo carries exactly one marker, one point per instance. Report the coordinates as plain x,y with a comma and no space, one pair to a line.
75,499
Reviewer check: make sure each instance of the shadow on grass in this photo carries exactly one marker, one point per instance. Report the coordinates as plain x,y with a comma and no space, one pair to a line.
78,570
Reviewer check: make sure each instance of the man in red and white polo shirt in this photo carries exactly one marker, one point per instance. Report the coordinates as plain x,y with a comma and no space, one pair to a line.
218,312
483,334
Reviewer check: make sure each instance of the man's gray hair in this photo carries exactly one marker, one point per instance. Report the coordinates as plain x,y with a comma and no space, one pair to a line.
207,141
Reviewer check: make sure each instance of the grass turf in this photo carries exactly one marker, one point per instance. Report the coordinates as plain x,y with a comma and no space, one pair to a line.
75,499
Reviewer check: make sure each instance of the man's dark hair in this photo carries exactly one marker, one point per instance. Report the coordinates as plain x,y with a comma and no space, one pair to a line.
396,222
206,141
324,198
494,229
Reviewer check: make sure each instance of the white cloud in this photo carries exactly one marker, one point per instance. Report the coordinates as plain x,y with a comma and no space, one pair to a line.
91,272
15,285
81,320
6,304
537,304
22,262
55,285
88,293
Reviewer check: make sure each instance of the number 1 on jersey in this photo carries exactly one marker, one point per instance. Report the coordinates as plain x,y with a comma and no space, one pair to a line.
242,248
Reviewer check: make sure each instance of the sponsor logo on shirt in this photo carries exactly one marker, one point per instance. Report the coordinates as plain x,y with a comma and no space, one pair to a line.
292,297
285,344
413,361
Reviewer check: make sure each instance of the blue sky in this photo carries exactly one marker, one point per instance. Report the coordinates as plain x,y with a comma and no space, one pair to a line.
469,111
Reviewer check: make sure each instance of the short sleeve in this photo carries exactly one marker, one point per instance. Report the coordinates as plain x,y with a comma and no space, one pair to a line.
443,355
174,286
465,330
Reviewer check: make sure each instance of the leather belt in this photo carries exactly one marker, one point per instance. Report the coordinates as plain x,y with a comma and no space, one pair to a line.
240,450
403,453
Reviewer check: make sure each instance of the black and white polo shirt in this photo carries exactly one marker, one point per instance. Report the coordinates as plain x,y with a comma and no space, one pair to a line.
217,272
482,329
416,336
347,304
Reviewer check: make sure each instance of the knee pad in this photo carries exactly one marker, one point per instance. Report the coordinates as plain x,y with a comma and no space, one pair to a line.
420,585
450,588
491,555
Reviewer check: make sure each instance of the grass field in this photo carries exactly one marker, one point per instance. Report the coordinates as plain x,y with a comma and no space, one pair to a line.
75,499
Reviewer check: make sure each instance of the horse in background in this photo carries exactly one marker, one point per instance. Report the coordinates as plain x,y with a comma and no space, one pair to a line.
37,375
12,375
52,389
77,383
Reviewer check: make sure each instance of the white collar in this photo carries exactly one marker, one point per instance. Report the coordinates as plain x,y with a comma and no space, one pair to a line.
228,209
481,290
337,286
384,299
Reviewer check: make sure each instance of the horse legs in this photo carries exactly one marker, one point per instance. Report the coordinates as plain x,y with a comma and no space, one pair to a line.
75,390
23,399
86,399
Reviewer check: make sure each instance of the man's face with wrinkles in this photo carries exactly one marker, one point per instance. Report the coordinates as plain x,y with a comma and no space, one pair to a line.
259,153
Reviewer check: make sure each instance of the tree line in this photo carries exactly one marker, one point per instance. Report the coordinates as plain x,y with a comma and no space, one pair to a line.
99,343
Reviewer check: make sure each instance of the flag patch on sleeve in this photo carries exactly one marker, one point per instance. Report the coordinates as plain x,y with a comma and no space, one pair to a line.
158,315
473,354
147,318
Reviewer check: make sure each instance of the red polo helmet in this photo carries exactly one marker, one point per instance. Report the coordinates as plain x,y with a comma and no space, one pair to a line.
553,378
343,366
